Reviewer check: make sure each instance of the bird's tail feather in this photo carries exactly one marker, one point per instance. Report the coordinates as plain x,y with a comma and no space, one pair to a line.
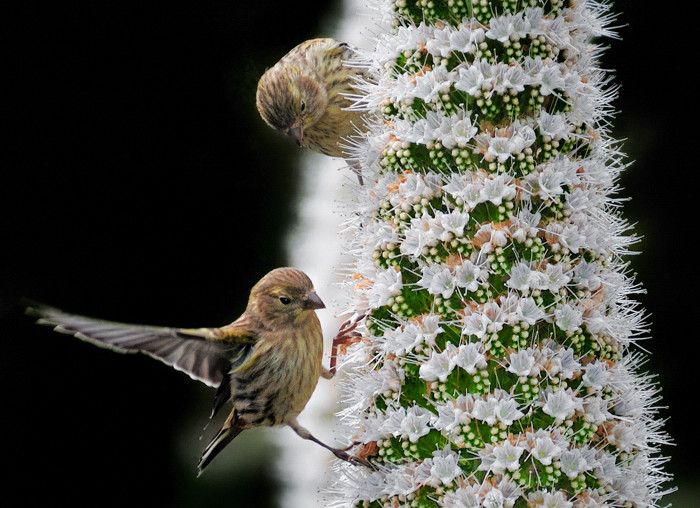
222,438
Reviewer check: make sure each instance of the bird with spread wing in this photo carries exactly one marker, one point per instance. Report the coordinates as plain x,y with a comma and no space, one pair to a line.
267,362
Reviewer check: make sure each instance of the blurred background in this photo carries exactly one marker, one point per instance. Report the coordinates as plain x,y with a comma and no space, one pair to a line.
141,186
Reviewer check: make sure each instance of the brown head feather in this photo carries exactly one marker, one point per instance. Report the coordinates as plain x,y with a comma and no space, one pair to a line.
277,300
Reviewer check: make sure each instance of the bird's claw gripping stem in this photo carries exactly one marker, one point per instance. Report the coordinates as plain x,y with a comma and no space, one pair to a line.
352,459
346,336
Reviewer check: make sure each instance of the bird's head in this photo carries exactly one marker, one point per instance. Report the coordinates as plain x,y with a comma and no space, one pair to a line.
291,99
283,297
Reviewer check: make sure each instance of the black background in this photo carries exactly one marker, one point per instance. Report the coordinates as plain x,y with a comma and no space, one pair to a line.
142,187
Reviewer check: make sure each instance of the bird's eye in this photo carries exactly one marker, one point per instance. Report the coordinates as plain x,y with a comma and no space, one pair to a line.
303,106
285,300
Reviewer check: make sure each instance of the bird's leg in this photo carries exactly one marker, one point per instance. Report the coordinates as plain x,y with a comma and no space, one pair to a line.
346,336
341,454
358,172
357,169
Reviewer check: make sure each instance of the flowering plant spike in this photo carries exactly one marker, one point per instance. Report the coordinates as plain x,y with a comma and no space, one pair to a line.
496,367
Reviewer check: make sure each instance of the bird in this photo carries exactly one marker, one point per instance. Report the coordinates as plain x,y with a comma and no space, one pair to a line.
305,96
266,363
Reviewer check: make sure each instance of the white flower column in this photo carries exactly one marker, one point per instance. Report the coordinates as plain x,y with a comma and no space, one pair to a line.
497,366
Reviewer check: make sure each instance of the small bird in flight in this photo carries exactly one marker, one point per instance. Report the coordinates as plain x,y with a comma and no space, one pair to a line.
267,362
305,96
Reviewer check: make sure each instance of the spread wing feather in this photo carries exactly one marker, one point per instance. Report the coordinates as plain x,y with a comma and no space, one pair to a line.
200,353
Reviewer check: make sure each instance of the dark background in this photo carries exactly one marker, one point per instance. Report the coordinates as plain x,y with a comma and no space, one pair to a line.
142,187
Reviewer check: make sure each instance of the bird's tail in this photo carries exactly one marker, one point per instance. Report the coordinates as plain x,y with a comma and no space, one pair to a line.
227,433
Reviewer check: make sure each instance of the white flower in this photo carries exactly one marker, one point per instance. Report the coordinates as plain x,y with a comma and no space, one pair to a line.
521,277
571,238
499,148
439,44
543,499
545,450
371,487
551,80
500,28
437,367
579,199
470,79
391,377
469,357
412,188
561,404
510,490
459,132
525,224
595,410
622,436
456,183
496,237
472,194
494,499
555,278
413,244
463,497
516,79
606,468
445,466
391,424
573,463
567,362
443,284
453,222
549,182
554,126
568,318
415,424
523,137
465,39
522,363
400,481
469,276
400,341
476,324
507,411
454,413
585,275
423,232
529,311
507,457
387,284
596,375
447,418
433,83
428,273
499,189
485,410
430,328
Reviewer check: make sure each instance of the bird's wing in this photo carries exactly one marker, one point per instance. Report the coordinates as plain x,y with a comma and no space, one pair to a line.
223,394
201,353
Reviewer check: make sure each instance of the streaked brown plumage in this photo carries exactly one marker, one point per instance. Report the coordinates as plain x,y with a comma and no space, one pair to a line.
304,95
267,362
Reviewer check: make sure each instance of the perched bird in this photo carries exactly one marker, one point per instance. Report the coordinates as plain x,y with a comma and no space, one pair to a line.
304,95
267,362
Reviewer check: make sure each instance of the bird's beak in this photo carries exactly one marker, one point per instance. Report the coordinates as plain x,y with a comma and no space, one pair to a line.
296,132
312,301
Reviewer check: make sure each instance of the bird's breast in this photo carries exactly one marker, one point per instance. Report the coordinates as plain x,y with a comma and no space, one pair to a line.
275,384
